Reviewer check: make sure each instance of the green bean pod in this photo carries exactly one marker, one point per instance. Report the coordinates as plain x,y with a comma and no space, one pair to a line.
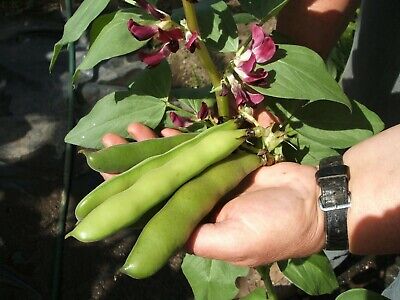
119,158
123,209
171,227
123,181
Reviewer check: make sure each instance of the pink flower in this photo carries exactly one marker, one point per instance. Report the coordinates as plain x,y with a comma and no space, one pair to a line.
245,67
142,32
151,9
192,41
262,46
242,94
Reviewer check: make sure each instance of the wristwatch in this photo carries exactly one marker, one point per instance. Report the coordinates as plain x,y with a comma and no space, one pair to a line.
333,177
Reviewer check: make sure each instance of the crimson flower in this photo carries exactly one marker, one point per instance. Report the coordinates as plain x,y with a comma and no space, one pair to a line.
242,93
192,41
142,32
178,120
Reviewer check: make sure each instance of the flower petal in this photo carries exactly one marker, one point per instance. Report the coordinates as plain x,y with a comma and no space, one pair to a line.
166,36
141,32
265,51
246,62
178,120
203,112
192,41
256,77
151,9
255,98
257,34
154,58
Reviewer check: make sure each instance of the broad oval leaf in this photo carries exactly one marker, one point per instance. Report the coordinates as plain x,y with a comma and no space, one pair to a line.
77,24
217,26
212,279
113,40
191,98
300,73
314,274
263,9
114,113
308,152
360,294
98,24
145,102
330,123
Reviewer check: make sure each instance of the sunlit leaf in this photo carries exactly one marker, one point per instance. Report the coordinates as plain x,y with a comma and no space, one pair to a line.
314,275
300,73
78,23
212,279
360,294
263,8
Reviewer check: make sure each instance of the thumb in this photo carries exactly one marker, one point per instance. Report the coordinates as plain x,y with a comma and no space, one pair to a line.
221,240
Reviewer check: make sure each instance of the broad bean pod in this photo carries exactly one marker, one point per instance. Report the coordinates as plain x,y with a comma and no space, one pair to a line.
119,158
156,185
171,227
123,181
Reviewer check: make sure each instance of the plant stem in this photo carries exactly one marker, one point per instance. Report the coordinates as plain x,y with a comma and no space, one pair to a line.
264,272
205,58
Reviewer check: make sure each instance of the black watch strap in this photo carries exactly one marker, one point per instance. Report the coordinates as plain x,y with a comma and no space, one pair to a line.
333,177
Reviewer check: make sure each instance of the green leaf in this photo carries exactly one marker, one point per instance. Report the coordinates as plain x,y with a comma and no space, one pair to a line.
244,18
212,279
144,103
314,274
330,123
300,73
77,24
309,152
257,294
99,24
113,40
191,98
155,81
360,294
217,26
114,113
263,9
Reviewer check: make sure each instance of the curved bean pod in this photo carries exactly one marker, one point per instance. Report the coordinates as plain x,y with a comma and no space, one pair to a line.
119,158
123,181
170,228
123,209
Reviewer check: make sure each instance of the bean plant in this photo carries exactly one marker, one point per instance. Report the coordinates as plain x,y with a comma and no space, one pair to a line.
171,184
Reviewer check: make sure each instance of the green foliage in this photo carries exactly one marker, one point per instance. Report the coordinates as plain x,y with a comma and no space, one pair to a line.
329,123
144,103
78,23
313,274
212,279
217,25
191,99
262,9
360,294
113,40
300,73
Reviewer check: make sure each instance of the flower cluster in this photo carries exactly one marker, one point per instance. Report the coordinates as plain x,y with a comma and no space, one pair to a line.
246,73
180,121
163,32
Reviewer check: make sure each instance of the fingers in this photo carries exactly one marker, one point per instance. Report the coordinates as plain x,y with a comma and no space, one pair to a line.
141,132
170,132
107,176
111,139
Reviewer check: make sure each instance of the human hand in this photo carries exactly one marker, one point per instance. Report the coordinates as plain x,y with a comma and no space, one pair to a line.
275,217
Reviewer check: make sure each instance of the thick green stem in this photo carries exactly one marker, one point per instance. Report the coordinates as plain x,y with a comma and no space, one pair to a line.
205,58
264,272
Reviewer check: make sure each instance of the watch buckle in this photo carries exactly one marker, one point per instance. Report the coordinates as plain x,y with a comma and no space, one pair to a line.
335,206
